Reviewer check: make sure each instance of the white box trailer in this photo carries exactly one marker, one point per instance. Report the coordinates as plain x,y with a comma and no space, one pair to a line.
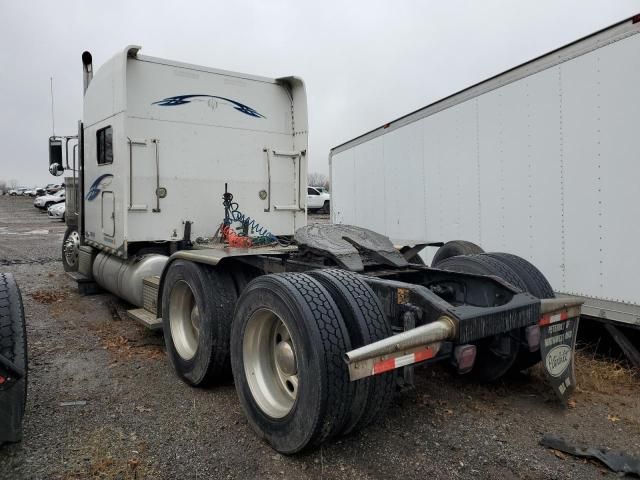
541,160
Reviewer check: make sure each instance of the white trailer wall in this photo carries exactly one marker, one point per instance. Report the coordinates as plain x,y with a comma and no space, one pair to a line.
545,166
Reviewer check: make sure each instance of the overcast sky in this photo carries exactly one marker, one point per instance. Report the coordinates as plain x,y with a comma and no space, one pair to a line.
364,62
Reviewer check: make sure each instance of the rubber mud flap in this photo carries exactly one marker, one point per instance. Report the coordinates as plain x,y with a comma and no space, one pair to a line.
557,348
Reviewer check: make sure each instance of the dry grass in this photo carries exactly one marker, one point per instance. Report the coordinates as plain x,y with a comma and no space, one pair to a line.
124,347
48,296
605,376
126,462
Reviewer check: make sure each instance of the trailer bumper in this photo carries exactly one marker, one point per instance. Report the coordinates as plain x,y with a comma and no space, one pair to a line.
557,321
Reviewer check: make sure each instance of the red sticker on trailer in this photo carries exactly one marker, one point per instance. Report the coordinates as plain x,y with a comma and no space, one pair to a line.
393,363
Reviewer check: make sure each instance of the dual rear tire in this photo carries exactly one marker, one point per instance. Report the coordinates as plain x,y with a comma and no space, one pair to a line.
285,344
509,352
197,310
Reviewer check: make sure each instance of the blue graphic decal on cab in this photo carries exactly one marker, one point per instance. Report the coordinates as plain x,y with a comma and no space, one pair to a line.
184,99
98,185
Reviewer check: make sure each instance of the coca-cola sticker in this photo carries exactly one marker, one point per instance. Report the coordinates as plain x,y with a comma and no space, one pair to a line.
558,360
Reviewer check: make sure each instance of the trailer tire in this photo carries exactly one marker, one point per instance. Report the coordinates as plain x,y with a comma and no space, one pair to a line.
455,248
537,285
13,346
287,328
366,323
489,366
197,311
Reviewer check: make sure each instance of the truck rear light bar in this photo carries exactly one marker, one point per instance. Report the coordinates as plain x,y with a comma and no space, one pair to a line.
423,342
411,346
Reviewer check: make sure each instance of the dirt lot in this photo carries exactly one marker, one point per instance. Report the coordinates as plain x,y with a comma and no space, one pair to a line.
135,419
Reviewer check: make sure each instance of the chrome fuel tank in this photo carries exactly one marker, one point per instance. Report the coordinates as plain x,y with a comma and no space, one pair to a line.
124,277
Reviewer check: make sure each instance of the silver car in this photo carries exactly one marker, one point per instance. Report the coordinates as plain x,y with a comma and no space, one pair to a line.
57,211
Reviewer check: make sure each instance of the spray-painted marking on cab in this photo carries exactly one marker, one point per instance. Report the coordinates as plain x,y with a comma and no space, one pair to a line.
212,102
98,185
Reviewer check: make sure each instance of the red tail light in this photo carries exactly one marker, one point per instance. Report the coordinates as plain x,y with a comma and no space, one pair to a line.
465,356
533,337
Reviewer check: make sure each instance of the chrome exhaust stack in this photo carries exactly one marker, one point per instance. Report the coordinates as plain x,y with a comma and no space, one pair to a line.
87,70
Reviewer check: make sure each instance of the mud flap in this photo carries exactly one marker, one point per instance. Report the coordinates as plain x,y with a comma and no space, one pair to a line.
557,347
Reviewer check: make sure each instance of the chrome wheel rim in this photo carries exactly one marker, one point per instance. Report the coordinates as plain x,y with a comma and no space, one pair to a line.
270,363
184,320
72,248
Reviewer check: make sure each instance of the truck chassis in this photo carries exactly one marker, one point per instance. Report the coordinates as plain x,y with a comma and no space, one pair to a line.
320,333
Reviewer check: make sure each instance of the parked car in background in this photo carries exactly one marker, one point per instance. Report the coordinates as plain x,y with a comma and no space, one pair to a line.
318,199
40,192
53,188
46,201
57,210
18,191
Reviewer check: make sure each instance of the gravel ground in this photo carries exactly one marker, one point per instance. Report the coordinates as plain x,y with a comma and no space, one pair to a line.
140,421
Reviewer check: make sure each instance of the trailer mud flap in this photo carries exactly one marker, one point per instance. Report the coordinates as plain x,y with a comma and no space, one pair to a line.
558,335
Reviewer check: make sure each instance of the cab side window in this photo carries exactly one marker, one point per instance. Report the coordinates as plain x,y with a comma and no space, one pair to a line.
104,138
312,191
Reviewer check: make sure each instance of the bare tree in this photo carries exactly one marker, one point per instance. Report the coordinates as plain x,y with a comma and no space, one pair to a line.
13,183
316,179
3,187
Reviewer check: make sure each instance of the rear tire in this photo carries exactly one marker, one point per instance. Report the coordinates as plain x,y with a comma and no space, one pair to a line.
453,249
242,275
197,311
288,330
538,286
326,208
13,346
489,365
70,249
366,323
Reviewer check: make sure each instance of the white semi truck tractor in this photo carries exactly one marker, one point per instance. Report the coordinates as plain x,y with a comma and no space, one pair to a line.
191,191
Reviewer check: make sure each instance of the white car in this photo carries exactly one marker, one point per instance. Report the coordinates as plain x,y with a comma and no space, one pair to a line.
57,211
318,199
45,201
17,191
